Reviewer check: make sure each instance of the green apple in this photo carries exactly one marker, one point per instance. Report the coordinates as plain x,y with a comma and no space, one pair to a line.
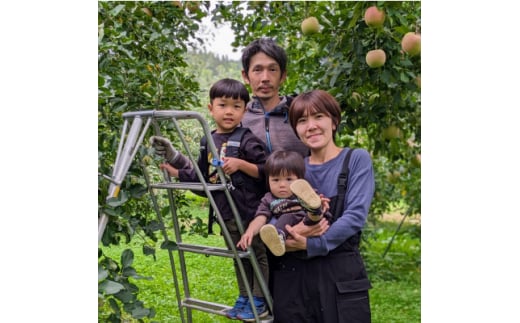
392,132
416,160
356,97
310,26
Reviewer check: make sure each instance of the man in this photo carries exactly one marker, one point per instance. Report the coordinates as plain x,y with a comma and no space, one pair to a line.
264,69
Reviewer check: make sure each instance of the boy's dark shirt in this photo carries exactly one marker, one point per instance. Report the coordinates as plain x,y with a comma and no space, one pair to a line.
252,150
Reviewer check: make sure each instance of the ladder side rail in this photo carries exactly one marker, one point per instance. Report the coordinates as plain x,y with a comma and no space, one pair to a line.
222,177
207,132
163,114
238,220
165,236
123,161
178,237
127,154
182,262
183,267
120,147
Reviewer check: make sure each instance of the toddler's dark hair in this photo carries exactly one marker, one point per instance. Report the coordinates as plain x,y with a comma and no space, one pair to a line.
284,162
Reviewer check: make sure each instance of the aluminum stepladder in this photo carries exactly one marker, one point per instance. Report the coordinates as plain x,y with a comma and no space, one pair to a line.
131,140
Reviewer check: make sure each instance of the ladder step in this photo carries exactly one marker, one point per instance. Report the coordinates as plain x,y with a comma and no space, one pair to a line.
214,251
214,308
189,186
205,306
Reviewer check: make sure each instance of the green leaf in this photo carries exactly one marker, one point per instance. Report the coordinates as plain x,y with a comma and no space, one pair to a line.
109,287
147,250
102,273
140,312
125,297
114,306
169,245
117,201
116,10
129,272
127,258
404,78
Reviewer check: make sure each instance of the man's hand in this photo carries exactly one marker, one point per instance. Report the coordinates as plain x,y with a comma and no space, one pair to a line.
164,148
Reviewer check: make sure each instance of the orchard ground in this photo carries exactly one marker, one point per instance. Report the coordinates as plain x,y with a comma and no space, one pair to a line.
397,217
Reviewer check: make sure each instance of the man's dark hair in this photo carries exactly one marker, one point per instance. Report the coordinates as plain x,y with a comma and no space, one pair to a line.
229,88
267,46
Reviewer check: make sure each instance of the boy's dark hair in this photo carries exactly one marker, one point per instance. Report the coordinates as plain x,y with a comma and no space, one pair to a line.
267,46
284,162
229,88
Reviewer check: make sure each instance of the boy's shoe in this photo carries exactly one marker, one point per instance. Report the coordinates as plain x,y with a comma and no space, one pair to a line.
273,239
310,201
240,305
247,314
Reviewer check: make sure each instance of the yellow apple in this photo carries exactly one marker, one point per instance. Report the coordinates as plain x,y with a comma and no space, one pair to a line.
310,26
392,132
374,17
356,97
411,43
147,11
376,58
416,160
192,6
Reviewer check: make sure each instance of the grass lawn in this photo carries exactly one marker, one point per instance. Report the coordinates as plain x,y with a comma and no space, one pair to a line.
395,296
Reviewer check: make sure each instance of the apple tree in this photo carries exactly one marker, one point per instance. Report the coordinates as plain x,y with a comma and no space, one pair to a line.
381,105
141,66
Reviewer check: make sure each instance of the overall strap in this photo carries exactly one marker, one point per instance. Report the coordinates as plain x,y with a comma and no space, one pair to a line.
342,185
232,150
234,142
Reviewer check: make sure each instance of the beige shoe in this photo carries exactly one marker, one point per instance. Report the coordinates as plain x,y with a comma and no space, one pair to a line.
310,201
273,239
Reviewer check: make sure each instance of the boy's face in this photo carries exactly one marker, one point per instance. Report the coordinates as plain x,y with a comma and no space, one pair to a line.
280,184
227,113
264,76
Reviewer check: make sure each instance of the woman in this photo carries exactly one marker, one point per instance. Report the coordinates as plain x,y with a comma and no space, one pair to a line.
324,278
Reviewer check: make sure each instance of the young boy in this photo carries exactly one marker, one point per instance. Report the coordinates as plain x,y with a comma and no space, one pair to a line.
290,200
228,99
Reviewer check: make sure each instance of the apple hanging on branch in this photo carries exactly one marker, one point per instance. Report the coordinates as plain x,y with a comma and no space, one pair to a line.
411,43
310,26
374,17
376,58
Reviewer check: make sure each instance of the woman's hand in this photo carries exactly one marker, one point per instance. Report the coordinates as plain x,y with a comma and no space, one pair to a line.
298,234
324,203
311,230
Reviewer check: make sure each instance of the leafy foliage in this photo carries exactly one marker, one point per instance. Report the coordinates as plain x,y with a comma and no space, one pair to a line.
141,66
372,99
115,288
